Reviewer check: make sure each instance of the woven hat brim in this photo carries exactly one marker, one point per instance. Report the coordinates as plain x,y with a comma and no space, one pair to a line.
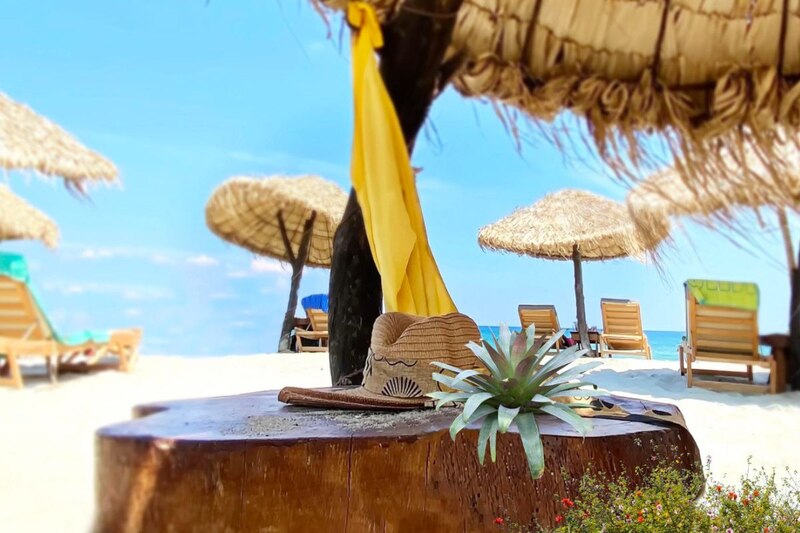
357,398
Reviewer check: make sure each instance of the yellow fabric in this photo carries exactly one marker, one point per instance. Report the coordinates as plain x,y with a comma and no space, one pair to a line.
385,184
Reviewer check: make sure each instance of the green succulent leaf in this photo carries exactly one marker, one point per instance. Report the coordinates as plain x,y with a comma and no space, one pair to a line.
530,337
464,374
550,342
531,443
573,372
447,397
505,416
474,402
501,361
482,353
569,416
518,350
480,412
488,430
448,382
458,424
504,345
445,366
539,398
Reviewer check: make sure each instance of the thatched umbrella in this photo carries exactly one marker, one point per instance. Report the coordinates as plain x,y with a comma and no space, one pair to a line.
292,219
666,194
20,220
577,225
30,141
690,72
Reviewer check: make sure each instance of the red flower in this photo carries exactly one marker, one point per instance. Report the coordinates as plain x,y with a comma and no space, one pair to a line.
566,502
732,496
745,502
499,521
559,519
640,519
756,493
719,488
639,493
586,514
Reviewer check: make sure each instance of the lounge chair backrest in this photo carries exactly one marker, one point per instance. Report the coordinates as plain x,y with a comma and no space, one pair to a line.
315,301
722,332
544,317
318,319
20,317
621,317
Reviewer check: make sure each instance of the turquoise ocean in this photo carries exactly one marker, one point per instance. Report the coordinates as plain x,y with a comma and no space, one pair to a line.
664,343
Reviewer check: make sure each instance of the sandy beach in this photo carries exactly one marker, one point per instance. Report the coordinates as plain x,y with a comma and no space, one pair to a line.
47,434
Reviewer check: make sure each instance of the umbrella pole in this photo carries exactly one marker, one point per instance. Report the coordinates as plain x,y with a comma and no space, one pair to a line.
297,262
579,303
787,239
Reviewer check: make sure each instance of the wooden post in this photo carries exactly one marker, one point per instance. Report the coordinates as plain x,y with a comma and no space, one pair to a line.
297,262
415,41
579,303
793,362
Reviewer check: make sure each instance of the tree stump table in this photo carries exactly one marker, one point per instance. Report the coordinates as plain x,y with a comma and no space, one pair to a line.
249,463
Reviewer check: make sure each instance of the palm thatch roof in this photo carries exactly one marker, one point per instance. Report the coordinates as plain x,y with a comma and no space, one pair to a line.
30,141
248,212
601,228
697,74
749,184
20,220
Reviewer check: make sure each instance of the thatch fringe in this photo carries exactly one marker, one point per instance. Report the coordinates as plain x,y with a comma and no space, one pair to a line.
691,84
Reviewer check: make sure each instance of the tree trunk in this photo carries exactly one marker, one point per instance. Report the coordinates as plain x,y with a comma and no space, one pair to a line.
297,263
248,463
579,303
288,319
415,41
355,297
793,364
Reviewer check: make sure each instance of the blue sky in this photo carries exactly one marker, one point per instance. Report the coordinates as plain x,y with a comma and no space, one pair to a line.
182,95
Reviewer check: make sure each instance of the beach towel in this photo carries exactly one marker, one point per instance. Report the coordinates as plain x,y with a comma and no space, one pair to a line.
315,301
385,184
737,295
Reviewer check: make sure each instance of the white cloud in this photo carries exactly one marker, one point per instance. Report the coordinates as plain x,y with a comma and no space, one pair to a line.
242,324
261,266
98,253
161,259
202,260
126,292
133,312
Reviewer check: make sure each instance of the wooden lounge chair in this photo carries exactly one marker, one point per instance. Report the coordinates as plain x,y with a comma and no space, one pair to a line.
622,329
26,332
543,317
317,332
726,334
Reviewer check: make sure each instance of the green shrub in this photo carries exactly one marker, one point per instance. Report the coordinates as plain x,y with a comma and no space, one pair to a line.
668,502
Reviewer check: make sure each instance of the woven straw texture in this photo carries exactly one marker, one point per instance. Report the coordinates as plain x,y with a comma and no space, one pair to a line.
549,229
398,370
751,185
20,220
245,211
30,141
691,71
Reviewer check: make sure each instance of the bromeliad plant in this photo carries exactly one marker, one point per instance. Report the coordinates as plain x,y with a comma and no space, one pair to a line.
521,382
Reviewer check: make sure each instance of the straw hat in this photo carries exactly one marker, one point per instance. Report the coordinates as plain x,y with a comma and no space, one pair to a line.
246,211
30,141
688,71
398,371
20,220
601,228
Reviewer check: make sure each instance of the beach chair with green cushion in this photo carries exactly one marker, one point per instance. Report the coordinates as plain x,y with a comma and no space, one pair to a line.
722,328
25,331
543,317
622,329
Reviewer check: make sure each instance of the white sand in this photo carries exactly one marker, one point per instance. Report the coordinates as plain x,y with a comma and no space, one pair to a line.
47,431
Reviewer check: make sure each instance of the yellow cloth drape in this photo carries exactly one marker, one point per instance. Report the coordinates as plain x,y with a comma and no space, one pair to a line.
385,184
